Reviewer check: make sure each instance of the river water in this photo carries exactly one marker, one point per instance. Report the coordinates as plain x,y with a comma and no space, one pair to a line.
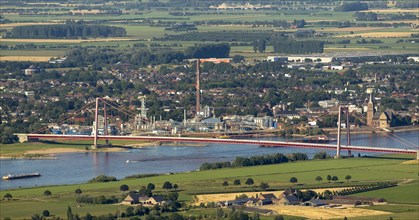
73,168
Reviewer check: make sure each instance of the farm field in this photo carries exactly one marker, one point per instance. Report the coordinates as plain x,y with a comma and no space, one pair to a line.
363,171
25,58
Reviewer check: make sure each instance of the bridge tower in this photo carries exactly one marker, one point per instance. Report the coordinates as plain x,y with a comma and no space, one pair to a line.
198,90
94,146
348,132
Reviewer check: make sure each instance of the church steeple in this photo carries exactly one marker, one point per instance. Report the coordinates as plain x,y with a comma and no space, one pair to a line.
370,111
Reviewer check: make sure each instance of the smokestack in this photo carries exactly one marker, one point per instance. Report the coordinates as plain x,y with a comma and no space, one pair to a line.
184,117
198,89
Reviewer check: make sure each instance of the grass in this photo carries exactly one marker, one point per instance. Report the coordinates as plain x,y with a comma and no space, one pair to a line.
407,194
405,212
362,170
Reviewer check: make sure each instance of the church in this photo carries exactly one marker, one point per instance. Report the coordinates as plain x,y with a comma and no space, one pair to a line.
377,119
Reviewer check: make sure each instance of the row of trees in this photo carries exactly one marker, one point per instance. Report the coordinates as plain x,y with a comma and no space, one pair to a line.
66,31
255,161
289,46
352,6
360,189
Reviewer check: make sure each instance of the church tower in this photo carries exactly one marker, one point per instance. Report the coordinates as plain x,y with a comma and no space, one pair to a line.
370,111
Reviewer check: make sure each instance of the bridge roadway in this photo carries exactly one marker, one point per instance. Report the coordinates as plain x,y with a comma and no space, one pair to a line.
226,141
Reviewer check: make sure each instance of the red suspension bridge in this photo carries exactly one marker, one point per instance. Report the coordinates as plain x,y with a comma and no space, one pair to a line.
410,148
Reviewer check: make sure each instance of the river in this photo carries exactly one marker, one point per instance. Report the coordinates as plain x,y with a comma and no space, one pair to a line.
73,168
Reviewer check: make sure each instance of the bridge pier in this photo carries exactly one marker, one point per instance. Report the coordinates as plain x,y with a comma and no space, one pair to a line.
23,138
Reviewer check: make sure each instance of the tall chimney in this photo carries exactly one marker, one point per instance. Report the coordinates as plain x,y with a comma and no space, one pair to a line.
198,89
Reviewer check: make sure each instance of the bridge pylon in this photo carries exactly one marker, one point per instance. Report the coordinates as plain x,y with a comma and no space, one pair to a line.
348,132
94,146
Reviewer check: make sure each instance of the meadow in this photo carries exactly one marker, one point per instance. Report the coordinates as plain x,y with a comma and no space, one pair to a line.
363,171
139,31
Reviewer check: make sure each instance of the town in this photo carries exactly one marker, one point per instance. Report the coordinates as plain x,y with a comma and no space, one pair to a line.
186,110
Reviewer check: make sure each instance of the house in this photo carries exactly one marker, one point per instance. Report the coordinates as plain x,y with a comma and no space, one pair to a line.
269,196
132,198
31,70
314,203
154,200
287,114
288,200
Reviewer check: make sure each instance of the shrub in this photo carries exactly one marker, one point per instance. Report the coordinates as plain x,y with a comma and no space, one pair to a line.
103,178
45,213
47,193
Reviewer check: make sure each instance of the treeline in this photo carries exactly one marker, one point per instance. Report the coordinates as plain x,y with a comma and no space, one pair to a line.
97,200
208,51
228,36
366,16
255,161
289,46
68,31
143,57
352,6
103,178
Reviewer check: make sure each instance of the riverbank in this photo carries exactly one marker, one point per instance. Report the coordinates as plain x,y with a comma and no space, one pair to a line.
46,151
51,153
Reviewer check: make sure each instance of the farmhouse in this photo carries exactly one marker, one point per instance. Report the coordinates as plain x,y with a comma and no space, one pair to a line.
136,198
314,203
132,198
154,200
288,200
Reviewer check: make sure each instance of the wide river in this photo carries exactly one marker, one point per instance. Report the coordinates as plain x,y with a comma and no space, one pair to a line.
73,168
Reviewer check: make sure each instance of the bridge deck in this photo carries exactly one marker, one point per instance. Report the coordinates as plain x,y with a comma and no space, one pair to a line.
226,141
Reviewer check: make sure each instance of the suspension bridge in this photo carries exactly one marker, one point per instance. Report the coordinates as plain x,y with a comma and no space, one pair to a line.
40,134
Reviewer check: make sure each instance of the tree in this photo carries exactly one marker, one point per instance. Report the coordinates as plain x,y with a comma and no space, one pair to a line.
279,217
249,181
237,58
237,182
319,178
123,187
151,186
335,178
77,191
264,185
36,217
45,213
219,213
70,215
47,193
348,177
293,180
8,196
329,178
259,46
167,185
225,184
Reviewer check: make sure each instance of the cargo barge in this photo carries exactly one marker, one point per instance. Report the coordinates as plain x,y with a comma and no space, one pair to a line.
19,176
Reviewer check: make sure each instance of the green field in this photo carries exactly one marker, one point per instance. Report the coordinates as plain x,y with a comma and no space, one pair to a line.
145,33
363,171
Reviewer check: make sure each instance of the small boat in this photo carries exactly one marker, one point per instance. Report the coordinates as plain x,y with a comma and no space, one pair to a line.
19,176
